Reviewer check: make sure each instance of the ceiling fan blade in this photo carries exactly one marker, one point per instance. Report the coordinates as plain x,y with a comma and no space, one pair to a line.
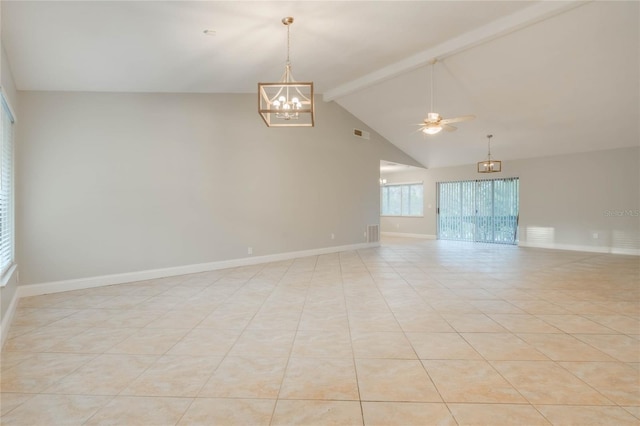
448,128
458,119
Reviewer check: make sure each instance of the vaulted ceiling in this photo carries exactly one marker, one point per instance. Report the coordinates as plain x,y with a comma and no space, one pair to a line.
545,78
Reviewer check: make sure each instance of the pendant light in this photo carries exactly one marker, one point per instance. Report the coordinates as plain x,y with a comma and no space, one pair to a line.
489,165
287,103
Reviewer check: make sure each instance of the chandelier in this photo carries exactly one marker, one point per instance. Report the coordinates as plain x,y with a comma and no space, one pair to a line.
489,165
287,103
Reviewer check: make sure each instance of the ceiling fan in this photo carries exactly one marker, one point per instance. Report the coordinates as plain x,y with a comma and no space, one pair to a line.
434,123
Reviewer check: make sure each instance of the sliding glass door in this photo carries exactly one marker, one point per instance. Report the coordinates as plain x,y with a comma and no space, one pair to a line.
479,210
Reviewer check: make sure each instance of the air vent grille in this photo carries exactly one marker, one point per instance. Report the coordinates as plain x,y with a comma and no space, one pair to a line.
373,233
361,134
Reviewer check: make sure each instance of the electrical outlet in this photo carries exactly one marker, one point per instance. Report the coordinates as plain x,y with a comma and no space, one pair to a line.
333,236
595,236
250,250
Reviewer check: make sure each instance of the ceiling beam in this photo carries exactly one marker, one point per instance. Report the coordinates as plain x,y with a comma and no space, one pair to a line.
500,27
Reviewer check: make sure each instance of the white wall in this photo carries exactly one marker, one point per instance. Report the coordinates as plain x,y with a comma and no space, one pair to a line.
116,183
564,200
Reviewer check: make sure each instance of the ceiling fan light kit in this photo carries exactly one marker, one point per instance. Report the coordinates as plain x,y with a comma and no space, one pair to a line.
434,123
489,165
431,124
287,103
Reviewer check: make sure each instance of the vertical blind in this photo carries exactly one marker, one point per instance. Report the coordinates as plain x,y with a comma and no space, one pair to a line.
6,189
479,210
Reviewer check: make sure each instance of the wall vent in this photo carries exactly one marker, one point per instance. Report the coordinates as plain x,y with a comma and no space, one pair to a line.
373,233
361,134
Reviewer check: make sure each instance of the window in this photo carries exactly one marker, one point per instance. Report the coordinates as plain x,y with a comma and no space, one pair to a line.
6,188
479,210
402,200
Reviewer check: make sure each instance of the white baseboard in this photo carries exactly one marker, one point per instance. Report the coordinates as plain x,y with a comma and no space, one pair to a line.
8,317
632,252
588,249
104,280
407,235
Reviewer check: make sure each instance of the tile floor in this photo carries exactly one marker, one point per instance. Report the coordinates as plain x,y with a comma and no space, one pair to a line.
412,333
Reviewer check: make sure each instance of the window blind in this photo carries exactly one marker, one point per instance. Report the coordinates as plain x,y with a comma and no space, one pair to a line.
479,210
6,189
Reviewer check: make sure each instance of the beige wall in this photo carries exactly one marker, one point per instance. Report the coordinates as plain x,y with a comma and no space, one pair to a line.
117,183
564,200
